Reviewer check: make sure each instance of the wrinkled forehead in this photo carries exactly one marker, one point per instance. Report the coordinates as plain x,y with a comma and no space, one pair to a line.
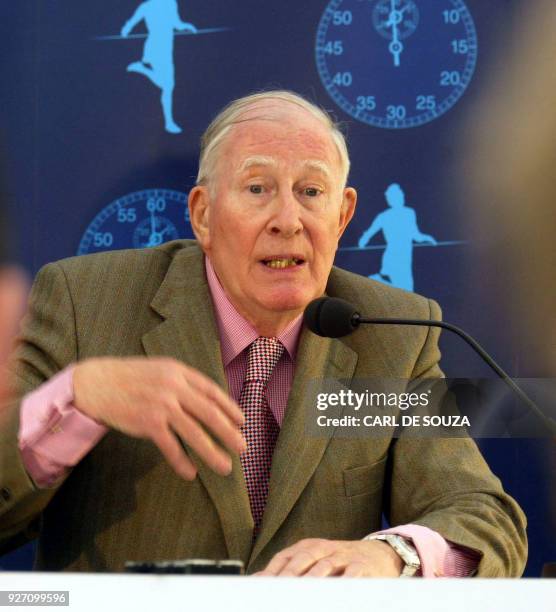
277,129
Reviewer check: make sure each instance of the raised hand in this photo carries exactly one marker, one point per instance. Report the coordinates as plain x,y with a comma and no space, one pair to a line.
160,398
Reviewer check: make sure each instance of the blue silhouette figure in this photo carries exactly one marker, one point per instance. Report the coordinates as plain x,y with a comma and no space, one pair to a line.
161,19
399,226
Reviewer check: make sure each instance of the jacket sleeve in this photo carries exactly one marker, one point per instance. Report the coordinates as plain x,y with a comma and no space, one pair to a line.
446,485
47,343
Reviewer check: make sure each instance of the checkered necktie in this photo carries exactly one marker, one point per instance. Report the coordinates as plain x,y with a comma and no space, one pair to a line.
260,428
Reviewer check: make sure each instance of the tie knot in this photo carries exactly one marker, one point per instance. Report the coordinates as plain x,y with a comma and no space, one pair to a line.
263,356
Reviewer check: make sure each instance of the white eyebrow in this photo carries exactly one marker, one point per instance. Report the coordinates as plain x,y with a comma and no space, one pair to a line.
264,160
317,164
257,160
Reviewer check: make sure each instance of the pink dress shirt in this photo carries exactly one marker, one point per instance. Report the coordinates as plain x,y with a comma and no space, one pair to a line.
54,435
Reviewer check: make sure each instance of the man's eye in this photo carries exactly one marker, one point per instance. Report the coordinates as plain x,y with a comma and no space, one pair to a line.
256,188
311,191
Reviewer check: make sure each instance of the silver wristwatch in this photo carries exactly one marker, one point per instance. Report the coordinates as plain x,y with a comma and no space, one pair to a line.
405,550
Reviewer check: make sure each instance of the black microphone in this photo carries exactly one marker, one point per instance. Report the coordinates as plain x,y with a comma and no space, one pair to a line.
333,318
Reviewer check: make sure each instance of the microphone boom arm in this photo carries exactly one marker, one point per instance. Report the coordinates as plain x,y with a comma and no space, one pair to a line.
357,319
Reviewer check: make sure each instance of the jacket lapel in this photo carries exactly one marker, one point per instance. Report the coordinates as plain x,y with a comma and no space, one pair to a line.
298,454
189,334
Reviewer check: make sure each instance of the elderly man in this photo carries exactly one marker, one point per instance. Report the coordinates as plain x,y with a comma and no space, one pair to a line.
138,347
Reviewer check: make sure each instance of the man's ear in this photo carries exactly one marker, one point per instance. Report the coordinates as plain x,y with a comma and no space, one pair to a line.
347,209
199,209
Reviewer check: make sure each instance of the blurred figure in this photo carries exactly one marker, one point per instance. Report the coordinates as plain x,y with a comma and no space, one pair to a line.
511,171
512,186
12,295
11,303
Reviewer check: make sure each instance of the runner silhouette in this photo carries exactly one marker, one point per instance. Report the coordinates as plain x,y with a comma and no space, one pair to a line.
161,18
399,227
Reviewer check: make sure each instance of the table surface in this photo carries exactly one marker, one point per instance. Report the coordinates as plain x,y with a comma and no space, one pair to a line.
107,592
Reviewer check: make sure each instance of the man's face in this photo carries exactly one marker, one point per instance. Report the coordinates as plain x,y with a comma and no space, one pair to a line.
271,221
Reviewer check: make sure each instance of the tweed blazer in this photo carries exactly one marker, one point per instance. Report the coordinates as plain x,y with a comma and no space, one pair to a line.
123,502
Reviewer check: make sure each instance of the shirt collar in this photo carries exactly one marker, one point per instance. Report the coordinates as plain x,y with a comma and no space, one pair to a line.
236,333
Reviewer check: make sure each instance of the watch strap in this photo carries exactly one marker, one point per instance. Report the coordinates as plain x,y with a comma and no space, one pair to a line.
404,548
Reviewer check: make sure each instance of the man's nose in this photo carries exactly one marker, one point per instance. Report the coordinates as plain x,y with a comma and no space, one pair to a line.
286,217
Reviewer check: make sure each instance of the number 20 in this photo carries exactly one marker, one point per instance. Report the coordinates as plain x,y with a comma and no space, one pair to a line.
450,78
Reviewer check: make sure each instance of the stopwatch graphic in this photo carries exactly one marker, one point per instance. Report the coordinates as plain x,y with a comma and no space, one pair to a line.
138,220
396,63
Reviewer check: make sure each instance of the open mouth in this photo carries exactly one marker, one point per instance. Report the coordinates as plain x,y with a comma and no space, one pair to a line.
278,263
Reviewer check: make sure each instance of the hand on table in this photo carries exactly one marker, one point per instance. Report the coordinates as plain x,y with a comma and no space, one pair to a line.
319,557
157,398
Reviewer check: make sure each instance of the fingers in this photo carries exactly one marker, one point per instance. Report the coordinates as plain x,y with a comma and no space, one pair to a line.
299,564
296,560
355,570
208,414
203,400
161,398
319,558
212,391
329,566
194,435
199,401
305,564
279,563
174,454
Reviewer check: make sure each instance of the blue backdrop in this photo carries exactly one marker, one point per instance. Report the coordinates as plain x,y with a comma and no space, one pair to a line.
104,103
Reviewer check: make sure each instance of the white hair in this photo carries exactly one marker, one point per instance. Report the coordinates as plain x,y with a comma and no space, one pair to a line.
233,113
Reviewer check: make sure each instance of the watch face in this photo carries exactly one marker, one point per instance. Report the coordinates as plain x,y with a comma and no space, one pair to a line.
140,219
396,63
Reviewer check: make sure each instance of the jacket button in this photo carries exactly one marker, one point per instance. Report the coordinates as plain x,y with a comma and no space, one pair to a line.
5,493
